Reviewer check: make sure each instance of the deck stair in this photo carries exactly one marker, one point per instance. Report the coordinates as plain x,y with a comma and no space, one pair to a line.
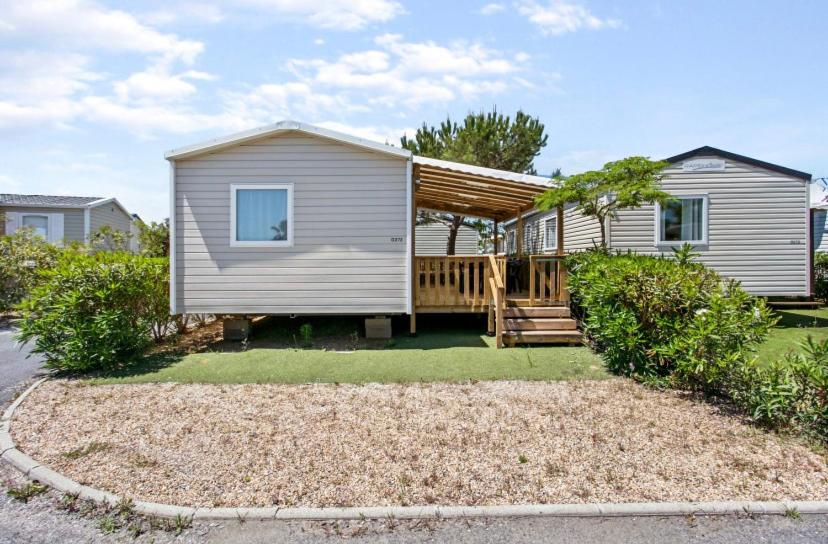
539,325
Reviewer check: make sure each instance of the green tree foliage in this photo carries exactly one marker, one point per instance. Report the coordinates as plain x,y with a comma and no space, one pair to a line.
489,139
22,254
154,238
95,311
108,239
628,183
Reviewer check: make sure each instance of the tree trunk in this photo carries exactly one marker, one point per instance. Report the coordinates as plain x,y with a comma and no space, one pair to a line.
602,222
454,228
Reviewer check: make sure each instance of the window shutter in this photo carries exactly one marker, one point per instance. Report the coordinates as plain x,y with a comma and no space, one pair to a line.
12,222
56,228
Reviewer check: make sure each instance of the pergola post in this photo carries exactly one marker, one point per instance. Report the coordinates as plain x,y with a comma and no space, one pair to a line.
495,236
559,228
519,234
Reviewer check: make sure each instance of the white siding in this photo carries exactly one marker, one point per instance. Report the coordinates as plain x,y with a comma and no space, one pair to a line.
72,219
580,232
820,229
111,215
348,205
758,221
432,238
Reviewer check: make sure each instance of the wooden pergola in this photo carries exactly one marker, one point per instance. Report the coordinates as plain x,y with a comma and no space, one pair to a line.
468,190
476,283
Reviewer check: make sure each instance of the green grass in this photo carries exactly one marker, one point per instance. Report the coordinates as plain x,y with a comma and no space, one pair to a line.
446,349
793,328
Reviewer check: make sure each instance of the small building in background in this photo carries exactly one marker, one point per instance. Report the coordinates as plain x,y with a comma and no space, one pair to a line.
432,239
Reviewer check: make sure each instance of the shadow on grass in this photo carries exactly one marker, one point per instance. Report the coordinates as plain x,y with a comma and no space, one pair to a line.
800,319
140,365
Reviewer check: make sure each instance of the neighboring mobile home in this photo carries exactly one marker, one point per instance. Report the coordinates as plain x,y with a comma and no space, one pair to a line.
432,239
748,219
62,218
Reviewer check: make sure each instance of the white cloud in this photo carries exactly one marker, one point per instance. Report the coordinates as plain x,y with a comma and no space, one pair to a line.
334,14
81,24
411,73
559,17
319,41
156,85
491,9
199,12
381,134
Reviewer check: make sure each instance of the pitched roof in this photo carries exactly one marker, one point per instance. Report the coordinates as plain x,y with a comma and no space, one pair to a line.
707,150
57,201
277,128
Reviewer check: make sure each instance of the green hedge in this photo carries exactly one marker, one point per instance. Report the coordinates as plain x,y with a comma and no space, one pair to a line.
95,311
674,322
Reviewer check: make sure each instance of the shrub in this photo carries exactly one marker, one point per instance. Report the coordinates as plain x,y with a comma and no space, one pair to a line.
791,393
22,254
95,311
666,318
821,276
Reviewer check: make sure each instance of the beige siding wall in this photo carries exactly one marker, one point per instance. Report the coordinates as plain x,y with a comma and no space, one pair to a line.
111,215
757,226
72,220
431,239
348,205
579,232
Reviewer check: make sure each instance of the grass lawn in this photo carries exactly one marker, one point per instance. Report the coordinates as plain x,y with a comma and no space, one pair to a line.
792,329
447,348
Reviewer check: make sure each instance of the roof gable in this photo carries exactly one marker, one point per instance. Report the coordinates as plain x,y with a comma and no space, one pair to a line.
707,150
57,201
279,128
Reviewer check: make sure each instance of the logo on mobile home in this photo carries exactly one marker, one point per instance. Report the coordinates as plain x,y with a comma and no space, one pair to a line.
703,165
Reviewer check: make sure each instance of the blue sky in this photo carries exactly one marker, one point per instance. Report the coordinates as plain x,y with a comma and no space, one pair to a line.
93,93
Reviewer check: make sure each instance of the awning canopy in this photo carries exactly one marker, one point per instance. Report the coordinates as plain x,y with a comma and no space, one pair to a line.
475,191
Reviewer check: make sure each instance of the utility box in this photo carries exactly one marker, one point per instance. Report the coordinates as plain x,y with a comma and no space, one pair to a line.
378,327
236,328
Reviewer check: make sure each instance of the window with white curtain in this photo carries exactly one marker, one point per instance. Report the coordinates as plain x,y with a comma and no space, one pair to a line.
550,233
38,223
682,219
261,215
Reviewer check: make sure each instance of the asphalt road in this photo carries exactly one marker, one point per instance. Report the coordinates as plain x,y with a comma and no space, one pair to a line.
15,368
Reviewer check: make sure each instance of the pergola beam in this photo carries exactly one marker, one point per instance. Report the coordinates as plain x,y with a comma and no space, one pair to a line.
476,192
502,183
490,185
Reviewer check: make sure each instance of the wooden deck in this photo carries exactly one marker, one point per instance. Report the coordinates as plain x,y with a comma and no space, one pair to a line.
477,284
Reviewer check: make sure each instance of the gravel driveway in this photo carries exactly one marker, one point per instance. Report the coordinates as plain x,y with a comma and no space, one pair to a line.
348,445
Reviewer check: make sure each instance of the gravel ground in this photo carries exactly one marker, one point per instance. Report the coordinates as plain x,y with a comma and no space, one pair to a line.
483,443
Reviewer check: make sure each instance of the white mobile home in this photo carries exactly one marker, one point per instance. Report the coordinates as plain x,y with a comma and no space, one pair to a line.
748,219
295,219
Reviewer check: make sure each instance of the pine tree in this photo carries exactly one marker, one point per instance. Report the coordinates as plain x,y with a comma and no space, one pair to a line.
483,139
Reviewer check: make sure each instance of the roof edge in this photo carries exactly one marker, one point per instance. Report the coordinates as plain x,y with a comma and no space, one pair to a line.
504,175
741,158
103,201
239,138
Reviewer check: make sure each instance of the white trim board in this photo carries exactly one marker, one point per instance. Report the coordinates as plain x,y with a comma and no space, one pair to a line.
278,128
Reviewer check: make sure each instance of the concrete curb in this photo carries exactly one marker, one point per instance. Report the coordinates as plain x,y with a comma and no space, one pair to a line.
34,471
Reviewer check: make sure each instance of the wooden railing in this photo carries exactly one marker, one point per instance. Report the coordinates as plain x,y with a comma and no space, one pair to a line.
547,280
497,288
459,282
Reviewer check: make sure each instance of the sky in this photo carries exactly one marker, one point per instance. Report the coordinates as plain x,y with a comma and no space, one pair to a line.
92,93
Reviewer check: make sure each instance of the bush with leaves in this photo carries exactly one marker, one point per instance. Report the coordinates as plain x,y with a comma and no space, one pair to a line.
668,319
154,238
821,276
791,393
95,311
22,255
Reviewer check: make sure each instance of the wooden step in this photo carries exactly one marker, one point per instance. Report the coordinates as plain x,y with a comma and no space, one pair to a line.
542,337
537,311
540,324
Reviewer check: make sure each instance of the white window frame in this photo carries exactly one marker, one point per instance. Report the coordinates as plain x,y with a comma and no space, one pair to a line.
705,220
24,215
546,245
234,188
